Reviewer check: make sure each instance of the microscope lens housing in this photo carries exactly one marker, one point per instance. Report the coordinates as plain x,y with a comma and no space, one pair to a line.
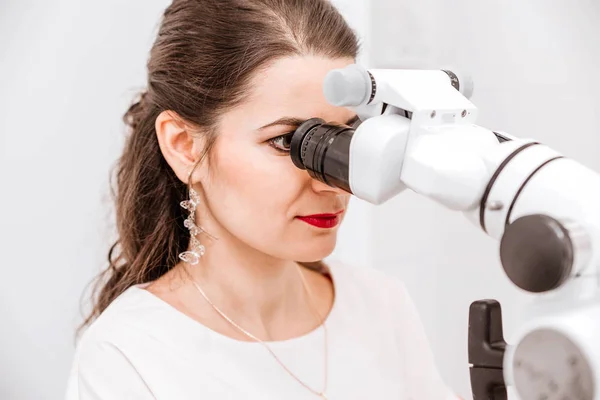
323,150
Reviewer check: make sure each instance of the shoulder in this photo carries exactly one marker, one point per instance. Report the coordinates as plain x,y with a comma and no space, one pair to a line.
368,284
375,297
102,368
135,326
138,319
382,299
110,333
126,312
116,356
140,325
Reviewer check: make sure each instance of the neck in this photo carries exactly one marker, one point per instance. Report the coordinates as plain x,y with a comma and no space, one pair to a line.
250,287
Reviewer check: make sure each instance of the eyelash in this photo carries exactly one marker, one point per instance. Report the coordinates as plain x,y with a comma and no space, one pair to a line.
273,141
353,124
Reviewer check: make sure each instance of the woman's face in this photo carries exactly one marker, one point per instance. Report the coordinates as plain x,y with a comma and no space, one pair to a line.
253,193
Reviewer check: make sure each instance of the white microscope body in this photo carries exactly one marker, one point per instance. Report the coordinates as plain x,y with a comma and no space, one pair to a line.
419,132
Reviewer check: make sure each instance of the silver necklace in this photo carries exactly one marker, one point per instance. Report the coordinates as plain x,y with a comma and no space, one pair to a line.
321,393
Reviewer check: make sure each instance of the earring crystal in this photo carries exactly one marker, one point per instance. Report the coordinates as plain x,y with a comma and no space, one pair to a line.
197,249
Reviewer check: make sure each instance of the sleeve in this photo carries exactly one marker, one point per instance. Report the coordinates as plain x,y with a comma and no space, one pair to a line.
422,377
103,372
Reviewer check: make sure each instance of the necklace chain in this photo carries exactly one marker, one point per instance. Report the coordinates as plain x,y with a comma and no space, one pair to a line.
253,337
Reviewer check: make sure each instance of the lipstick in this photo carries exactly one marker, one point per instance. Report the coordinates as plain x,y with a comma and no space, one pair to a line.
324,221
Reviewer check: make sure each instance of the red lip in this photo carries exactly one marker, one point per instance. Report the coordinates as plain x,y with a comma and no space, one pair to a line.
322,220
327,215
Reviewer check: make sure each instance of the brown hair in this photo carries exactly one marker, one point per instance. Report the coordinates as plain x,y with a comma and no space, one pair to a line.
202,60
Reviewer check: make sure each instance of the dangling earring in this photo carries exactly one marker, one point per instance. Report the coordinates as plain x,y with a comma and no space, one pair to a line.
192,256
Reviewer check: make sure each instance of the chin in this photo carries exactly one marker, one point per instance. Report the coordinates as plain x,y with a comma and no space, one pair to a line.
315,250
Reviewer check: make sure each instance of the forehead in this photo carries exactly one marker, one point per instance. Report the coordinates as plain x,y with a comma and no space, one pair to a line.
293,86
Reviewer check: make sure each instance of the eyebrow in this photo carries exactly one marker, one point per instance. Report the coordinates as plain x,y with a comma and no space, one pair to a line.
293,121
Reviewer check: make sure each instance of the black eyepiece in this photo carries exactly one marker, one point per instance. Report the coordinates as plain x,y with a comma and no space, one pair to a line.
324,151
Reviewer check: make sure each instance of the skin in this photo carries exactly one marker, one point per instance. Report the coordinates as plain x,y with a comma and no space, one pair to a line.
251,194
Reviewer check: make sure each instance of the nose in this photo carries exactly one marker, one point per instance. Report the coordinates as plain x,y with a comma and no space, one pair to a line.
321,187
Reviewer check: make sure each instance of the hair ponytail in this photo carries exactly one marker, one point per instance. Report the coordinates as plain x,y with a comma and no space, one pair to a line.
147,195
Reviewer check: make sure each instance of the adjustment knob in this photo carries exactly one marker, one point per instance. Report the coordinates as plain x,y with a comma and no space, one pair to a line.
350,86
539,253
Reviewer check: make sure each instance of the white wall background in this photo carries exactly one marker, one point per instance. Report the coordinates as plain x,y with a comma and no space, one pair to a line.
68,70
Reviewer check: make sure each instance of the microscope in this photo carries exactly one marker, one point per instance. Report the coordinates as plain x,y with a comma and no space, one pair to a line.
418,132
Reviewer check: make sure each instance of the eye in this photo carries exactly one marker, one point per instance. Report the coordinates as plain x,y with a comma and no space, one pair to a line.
354,123
282,143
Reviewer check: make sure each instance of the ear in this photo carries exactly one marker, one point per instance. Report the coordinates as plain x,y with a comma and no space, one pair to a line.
177,144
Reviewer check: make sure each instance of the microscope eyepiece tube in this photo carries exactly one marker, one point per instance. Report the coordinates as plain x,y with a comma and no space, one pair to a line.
323,150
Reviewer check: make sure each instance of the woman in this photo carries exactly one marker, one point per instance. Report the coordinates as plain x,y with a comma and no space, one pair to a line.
215,289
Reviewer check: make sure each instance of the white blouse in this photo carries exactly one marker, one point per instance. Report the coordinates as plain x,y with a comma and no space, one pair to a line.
142,348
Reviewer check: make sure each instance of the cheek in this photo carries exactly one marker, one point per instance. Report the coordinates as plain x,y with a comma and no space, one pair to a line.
254,195
253,187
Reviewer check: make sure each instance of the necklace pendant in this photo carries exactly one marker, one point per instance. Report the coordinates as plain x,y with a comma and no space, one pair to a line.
323,396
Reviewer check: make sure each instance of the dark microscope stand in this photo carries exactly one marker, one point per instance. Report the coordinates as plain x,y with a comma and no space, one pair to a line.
486,350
